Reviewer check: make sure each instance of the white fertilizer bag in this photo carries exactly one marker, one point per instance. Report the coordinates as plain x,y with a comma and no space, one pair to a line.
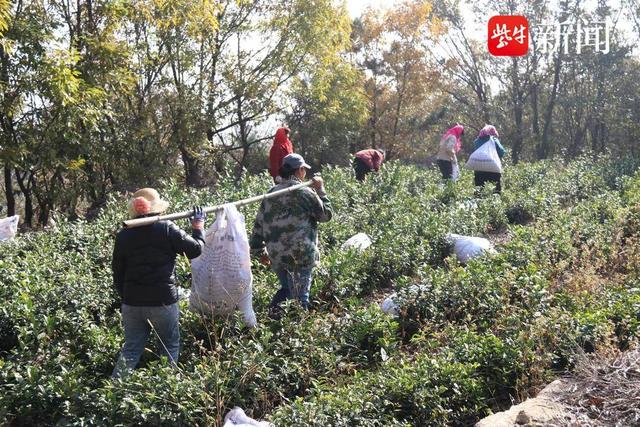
468,205
467,248
184,294
8,227
392,304
237,418
485,158
222,273
389,305
455,171
359,242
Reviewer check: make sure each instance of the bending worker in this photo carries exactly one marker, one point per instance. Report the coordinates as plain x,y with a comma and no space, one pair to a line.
367,161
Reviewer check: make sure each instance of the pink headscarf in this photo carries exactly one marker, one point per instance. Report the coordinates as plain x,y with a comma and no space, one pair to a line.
456,131
488,130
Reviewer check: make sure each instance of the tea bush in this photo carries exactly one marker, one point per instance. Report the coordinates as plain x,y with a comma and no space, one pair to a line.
468,340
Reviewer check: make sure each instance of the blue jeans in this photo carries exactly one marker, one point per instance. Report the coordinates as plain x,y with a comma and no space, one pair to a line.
293,285
139,323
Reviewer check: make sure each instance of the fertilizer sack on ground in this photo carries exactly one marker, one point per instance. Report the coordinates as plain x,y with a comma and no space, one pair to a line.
359,242
468,205
485,158
222,280
9,227
389,305
392,304
237,418
184,294
467,248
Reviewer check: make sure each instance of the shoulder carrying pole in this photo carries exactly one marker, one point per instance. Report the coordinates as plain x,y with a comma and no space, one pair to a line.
138,222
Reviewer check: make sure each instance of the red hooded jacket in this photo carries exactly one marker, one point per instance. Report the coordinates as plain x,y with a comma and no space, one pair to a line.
279,150
372,158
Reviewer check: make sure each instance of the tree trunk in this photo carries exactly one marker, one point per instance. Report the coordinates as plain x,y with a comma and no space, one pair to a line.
402,84
191,162
518,137
243,137
8,191
191,168
242,122
543,146
51,195
518,109
97,187
484,103
535,122
373,120
26,189
604,137
579,138
45,211
598,139
7,127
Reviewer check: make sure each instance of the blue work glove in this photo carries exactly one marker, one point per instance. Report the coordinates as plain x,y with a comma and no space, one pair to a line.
198,217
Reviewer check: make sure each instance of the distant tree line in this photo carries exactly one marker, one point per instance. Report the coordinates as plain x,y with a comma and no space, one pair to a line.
102,95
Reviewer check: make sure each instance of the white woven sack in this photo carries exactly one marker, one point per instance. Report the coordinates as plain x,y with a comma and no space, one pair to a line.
222,279
455,171
485,158
393,304
467,248
9,227
389,305
237,418
359,242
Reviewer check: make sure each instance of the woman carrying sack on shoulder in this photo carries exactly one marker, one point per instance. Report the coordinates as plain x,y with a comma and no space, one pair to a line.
144,261
450,144
483,161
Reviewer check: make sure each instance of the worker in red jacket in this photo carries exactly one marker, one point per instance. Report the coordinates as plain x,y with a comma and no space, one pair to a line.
281,148
367,161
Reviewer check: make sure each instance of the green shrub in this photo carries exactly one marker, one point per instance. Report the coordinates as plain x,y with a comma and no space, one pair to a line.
469,338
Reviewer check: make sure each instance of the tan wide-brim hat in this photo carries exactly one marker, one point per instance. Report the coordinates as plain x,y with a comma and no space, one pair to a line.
146,201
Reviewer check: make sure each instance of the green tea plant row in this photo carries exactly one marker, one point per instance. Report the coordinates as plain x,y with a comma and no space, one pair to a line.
467,339
482,333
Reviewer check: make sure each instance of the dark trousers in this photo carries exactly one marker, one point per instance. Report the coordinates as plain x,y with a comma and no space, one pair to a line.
293,285
480,178
360,168
139,323
446,168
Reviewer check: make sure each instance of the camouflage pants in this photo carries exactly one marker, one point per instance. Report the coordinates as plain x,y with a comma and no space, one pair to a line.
293,285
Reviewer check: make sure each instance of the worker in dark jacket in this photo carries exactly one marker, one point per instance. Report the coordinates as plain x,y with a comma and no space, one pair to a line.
366,161
143,265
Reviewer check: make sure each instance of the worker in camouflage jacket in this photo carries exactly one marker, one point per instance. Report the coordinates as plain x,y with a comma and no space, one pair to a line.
285,233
